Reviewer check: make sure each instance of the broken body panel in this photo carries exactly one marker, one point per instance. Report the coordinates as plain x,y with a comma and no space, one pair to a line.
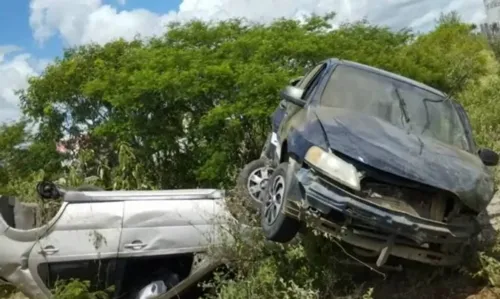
415,193
379,145
110,227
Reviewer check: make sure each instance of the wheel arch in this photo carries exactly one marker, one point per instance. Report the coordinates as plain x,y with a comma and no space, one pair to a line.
294,146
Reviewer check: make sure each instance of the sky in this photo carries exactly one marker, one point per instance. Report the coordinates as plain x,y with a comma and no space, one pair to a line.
37,31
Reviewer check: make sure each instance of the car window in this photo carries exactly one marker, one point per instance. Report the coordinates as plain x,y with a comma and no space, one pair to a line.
370,93
311,86
7,211
309,76
100,273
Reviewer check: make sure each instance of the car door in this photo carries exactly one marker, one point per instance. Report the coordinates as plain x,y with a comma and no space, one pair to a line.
295,114
82,244
169,222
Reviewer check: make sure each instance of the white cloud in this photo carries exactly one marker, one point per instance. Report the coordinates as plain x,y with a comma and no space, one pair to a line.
471,11
66,18
6,49
13,76
107,23
82,21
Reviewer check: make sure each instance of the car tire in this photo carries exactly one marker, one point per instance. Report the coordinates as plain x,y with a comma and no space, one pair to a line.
276,225
252,181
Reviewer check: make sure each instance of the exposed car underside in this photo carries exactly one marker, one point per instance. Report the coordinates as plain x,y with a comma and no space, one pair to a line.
410,223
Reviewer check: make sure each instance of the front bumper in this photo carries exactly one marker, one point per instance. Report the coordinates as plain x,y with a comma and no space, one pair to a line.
409,232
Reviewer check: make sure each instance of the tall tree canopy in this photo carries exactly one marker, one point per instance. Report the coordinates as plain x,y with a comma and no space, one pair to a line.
194,104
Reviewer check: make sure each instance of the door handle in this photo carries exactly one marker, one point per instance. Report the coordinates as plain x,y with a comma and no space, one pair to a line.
48,250
135,245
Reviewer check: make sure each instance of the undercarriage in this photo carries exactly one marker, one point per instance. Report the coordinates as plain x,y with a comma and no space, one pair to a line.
382,220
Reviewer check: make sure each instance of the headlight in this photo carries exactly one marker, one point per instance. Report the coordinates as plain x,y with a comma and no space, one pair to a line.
334,167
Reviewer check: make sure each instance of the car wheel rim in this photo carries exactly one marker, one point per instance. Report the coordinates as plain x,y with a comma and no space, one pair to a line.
152,290
257,182
274,199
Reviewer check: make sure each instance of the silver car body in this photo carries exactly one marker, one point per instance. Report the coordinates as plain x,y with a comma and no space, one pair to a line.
112,224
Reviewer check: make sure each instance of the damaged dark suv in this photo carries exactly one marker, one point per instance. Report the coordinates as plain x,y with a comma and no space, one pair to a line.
383,163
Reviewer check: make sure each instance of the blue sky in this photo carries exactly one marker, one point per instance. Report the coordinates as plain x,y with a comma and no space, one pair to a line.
14,14
36,31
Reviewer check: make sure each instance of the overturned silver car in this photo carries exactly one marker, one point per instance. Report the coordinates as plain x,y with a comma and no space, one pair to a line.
143,243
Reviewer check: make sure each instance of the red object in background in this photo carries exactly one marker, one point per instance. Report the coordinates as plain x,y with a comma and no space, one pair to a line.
75,143
61,148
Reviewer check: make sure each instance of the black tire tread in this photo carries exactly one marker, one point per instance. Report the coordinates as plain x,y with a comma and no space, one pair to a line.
285,228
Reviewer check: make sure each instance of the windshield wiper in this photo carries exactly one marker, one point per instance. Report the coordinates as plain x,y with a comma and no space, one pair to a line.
402,105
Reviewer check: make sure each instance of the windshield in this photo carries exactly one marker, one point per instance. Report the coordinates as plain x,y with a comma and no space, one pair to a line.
403,105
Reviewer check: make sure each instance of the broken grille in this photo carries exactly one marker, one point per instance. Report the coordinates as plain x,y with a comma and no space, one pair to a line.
424,204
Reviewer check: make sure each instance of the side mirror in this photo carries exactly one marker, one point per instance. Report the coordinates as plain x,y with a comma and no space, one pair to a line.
489,157
294,81
293,95
48,190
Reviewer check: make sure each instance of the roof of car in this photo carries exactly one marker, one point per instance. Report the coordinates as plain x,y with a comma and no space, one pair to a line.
388,74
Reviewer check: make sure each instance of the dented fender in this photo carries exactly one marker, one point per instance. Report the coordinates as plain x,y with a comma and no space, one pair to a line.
14,266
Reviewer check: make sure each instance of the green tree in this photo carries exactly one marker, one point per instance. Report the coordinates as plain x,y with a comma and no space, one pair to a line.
21,154
194,104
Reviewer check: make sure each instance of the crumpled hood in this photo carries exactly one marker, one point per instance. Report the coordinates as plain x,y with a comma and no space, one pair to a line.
382,145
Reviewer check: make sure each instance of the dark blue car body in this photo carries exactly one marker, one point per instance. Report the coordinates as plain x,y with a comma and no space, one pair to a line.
389,157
